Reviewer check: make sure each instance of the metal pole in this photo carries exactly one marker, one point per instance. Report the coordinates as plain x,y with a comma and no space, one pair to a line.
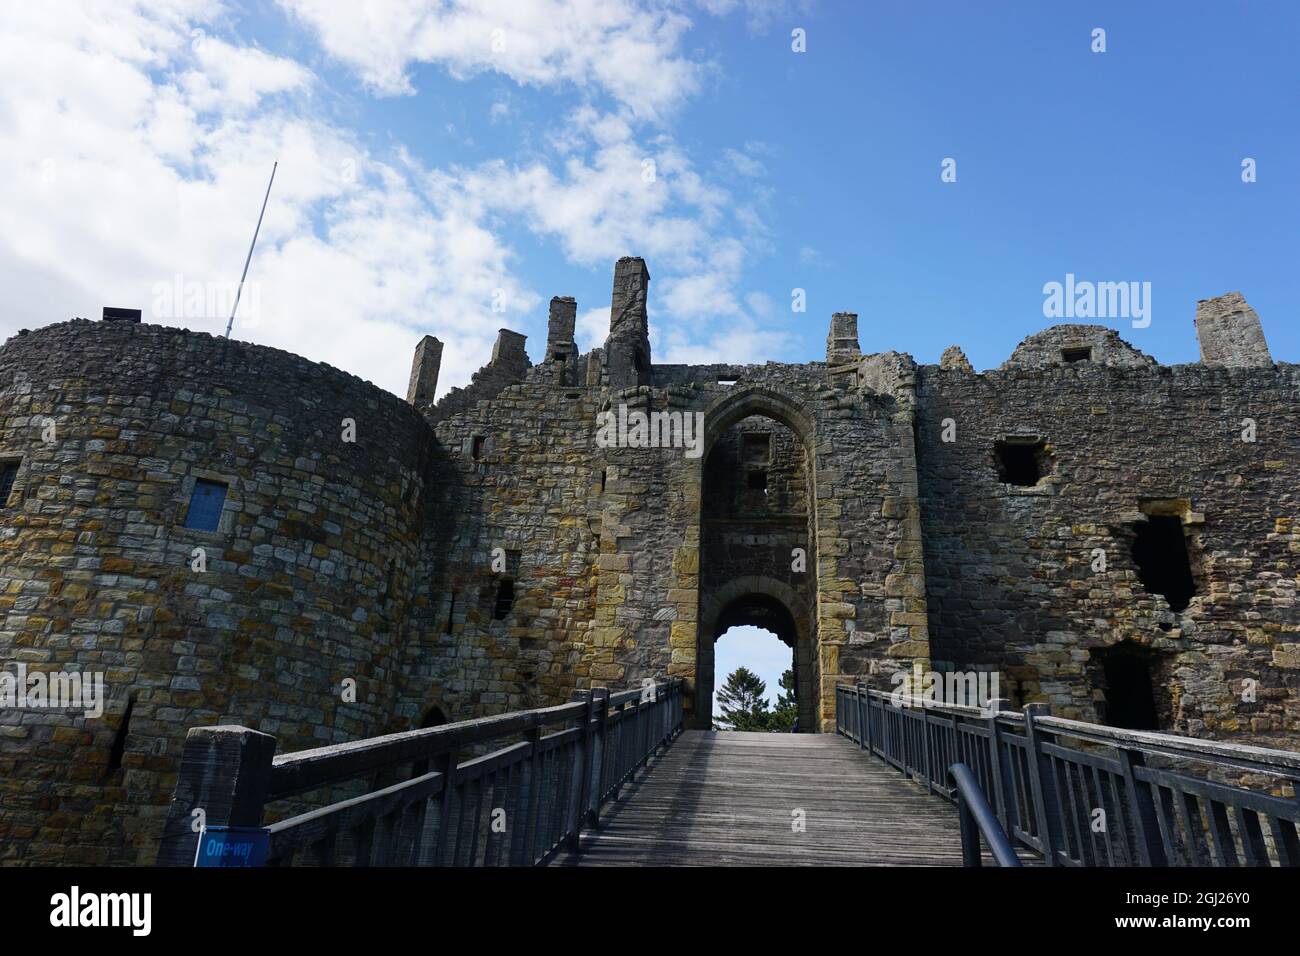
249,258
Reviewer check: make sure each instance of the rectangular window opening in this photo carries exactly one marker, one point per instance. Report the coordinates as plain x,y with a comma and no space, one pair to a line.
758,480
8,475
505,599
1079,354
756,448
206,503
477,447
1160,553
1020,461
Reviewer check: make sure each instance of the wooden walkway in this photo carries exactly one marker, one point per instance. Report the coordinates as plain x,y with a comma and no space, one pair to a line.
727,799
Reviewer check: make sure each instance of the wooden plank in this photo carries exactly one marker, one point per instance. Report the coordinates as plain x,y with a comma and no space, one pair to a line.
727,798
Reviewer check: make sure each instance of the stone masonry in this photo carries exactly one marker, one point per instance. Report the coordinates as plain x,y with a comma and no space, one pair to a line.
382,564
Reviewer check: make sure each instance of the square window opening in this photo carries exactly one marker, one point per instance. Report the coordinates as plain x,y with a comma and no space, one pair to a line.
1021,462
206,504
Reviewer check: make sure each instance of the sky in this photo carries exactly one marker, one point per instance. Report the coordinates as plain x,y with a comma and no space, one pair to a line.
446,167
752,647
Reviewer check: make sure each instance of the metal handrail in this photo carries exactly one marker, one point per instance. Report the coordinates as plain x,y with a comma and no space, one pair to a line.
978,819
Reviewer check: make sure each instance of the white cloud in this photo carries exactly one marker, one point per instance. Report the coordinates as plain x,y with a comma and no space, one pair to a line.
625,49
136,144
143,156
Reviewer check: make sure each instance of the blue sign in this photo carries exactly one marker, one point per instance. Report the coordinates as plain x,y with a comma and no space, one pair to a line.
232,846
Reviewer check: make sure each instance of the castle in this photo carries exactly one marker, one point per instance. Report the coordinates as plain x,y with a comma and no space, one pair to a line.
233,534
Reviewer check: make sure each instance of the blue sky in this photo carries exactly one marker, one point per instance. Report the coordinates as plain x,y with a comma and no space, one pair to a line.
752,647
438,159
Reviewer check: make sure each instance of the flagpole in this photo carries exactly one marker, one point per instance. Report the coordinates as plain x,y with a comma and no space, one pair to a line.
249,258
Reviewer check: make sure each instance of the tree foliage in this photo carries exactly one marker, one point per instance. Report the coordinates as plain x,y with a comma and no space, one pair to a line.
744,705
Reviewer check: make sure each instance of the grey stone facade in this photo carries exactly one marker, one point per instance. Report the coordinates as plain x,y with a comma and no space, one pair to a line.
487,552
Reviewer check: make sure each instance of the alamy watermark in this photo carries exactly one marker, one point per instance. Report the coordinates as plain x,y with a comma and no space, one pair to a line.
194,300
638,429
1083,299
56,690
922,688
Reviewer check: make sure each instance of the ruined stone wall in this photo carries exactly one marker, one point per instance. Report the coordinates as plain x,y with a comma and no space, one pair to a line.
1010,570
531,493
305,582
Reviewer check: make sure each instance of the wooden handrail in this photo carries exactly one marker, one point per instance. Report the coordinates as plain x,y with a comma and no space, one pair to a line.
1097,803
538,789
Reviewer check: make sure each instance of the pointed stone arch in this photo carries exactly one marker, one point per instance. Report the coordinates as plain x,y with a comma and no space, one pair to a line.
759,596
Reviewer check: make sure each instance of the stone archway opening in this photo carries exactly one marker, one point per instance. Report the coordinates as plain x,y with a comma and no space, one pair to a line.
765,612
769,659
757,543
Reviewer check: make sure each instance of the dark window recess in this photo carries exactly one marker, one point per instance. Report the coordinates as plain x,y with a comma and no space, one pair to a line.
758,480
8,472
602,481
505,599
206,502
1019,463
451,611
757,448
476,449
558,356
1130,700
1077,355
1160,553
118,750
433,717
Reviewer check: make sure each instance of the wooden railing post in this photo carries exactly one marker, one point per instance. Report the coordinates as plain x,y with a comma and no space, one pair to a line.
532,801
925,745
586,747
1146,826
226,773
447,767
1040,782
1001,780
865,696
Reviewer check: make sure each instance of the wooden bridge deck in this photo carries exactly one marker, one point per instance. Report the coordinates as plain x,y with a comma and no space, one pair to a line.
726,799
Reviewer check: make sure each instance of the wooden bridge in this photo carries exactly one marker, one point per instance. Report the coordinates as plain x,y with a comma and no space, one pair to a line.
612,779
750,799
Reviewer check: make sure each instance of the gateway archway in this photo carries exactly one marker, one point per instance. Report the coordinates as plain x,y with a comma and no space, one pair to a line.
772,606
757,539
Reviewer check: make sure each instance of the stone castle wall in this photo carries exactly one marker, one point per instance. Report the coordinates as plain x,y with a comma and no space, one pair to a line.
487,552
306,582
1010,570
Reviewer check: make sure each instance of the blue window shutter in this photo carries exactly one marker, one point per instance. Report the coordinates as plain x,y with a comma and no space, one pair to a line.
206,502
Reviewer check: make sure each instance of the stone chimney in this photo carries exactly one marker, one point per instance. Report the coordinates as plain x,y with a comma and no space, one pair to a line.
1229,332
628,346
509,350
424,372
561,350
842,342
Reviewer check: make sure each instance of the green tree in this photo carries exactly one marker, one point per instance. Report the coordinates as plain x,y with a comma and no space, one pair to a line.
786,711
742,702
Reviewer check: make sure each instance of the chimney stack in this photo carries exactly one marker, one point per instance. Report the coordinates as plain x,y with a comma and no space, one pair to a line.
628,345
842,342
423,385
